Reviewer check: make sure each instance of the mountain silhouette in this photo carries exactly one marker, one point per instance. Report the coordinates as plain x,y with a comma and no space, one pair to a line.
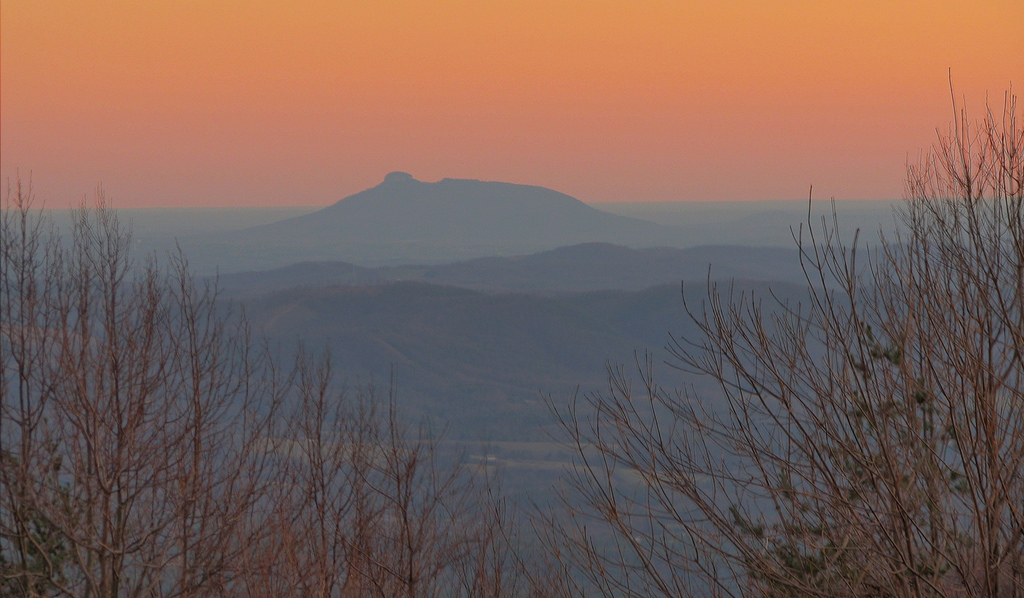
406,220
402,209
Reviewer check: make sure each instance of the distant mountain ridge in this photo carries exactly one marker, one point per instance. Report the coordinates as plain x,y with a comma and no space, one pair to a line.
575,268
482,362
406,220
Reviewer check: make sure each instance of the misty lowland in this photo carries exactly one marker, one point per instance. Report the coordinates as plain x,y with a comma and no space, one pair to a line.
475,388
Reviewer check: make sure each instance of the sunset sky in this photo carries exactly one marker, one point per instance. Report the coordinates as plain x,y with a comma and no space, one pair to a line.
232,103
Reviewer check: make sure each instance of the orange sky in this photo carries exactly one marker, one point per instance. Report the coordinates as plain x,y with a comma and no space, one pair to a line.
199,102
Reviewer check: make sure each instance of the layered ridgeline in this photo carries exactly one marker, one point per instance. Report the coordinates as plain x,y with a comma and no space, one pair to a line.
484,340
576,268
482,363
404,220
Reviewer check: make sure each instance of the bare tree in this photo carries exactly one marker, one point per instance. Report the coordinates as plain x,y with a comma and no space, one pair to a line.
365,506
867,440
132,410
32,554
151,447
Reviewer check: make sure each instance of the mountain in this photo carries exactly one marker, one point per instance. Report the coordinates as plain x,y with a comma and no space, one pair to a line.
576,268
461,212
482,362
603,266
405,220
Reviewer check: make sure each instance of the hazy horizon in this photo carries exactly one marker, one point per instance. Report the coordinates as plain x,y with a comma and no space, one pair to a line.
269,103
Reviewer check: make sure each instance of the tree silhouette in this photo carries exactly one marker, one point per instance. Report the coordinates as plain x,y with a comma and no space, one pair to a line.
867,440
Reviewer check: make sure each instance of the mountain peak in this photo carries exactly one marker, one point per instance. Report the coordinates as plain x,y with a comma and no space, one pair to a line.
399,177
